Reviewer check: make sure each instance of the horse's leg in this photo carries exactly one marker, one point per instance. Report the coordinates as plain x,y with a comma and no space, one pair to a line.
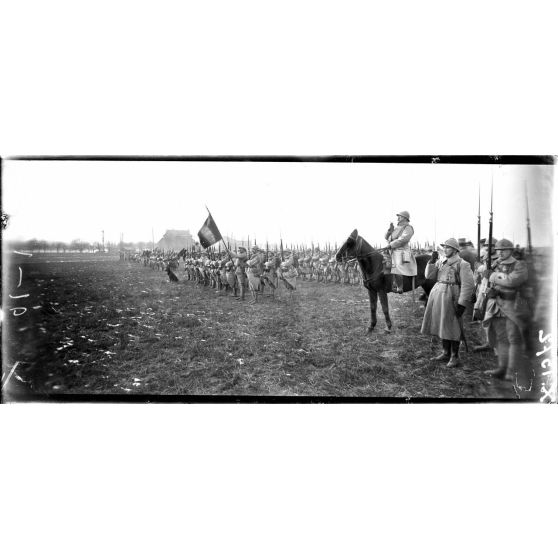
373,296
385,307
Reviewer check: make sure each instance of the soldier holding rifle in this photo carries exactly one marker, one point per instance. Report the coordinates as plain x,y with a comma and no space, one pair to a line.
504,316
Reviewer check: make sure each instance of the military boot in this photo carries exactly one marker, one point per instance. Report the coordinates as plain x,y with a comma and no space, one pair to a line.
446,354
398,284
515,362
500,372
454,360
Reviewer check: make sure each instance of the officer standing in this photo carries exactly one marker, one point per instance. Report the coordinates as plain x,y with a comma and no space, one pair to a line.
502,317
447,301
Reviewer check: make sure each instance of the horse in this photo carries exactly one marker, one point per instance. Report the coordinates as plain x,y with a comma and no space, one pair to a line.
377,282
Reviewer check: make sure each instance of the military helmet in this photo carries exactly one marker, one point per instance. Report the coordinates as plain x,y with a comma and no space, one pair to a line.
451,243
504,244
255,248
405,214
241,249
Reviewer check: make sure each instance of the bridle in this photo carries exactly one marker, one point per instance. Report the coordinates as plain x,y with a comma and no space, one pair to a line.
358,248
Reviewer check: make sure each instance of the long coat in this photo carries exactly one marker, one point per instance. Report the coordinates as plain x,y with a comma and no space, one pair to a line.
254,270
402,259
510,274
455,285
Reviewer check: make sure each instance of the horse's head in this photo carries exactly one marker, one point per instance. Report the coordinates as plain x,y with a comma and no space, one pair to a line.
348,250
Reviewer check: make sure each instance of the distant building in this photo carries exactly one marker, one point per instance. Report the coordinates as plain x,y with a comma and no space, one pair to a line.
175,240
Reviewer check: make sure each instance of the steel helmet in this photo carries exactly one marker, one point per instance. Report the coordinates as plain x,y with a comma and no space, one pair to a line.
504,244
451,243
404,214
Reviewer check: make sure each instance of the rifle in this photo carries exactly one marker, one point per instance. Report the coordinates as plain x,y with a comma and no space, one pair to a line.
479,230
530,246
482,302
282,257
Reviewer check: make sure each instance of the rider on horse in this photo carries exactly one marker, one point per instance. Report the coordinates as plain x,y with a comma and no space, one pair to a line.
403,261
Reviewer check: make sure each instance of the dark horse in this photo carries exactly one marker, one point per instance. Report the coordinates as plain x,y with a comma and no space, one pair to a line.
377,282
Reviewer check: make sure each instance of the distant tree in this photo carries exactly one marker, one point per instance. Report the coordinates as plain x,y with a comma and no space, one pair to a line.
33,245
76,245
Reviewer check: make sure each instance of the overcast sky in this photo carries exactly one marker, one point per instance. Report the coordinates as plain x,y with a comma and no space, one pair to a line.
302,202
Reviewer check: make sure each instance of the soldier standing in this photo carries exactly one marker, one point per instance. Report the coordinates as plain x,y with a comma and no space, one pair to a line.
504,320
479,273
403,261
447,301
240,260
254,271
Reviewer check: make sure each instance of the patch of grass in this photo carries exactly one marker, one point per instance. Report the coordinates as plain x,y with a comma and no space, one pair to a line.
118,327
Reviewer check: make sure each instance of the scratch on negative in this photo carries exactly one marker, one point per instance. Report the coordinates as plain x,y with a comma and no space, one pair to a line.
5,383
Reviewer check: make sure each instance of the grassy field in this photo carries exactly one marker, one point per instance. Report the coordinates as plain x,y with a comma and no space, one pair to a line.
94,325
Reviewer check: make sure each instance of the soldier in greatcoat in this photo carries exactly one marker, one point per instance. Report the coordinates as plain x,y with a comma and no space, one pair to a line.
504,316
230,276
254,270
480,286
402,260
288,274
447,301
240,258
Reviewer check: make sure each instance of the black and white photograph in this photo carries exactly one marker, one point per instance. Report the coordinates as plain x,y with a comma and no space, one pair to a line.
278,279
326,279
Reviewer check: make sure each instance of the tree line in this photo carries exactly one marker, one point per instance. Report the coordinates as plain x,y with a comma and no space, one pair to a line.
37,245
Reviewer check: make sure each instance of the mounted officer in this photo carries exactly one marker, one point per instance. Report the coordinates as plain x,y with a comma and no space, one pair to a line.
505,317
402,260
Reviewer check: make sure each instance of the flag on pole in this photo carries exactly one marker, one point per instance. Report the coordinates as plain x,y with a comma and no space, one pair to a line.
209,233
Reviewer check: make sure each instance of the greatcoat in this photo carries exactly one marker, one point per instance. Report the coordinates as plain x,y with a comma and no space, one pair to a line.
508,277
402,259
454,285
254,270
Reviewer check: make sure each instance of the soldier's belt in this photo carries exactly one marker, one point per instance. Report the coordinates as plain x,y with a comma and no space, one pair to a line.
448,282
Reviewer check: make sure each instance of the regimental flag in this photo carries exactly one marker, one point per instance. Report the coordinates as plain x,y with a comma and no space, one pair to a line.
209,233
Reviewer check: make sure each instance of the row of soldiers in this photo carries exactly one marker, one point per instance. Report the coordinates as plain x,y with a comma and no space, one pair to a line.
241,272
